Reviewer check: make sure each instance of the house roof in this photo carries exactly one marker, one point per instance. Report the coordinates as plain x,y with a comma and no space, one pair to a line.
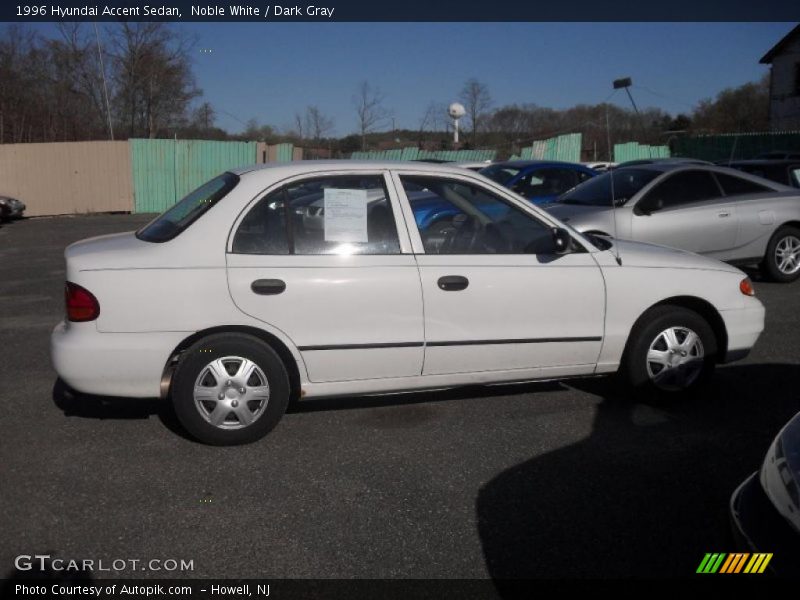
777,48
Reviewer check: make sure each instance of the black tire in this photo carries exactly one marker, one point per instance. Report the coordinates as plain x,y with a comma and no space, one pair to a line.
770,263
646,332
265,412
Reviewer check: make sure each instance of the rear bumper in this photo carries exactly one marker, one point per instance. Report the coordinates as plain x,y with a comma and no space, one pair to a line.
744,326
111,364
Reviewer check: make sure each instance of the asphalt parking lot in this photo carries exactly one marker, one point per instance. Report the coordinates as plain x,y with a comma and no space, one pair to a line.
537,480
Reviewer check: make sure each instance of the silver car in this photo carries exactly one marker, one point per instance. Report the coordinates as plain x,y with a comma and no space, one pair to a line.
719,212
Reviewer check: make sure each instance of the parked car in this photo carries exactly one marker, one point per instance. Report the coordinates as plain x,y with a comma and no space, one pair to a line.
11,208
784,171
765,508
228,306
778,155
663,161
600,166
719,212
539,181
474,165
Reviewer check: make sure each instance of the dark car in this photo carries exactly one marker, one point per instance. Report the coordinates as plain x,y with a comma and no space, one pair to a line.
779,154
765,509
785,171
660,161
539,181
11,208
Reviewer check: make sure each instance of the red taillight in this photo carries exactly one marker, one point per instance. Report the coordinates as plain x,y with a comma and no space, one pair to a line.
746,287
81,303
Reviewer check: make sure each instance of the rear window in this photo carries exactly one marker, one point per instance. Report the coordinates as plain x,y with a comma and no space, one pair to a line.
737,186
502,174
598,191
178,218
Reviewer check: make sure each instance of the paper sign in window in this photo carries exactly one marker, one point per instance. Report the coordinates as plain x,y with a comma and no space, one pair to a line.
345,215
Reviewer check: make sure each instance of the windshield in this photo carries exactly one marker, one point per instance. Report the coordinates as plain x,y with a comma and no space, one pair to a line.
176,219
597,191
499,173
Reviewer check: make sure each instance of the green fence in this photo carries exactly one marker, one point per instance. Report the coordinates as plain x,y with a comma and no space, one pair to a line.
564,147
735,146
413,153
637,151
166,170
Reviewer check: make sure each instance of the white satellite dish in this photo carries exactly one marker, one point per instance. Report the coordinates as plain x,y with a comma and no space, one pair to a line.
456,111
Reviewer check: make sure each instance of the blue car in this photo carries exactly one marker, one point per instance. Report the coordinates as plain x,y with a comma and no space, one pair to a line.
540,181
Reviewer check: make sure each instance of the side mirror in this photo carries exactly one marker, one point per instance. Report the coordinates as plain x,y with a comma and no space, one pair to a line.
648,206
562,240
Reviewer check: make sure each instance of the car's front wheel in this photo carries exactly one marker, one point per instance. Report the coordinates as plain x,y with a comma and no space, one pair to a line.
782,259
230,389
671,350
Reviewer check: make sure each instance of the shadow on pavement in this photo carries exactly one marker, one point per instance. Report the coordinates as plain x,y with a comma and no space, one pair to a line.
646,494
87,406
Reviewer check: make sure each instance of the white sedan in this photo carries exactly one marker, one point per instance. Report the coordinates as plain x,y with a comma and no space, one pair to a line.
230,306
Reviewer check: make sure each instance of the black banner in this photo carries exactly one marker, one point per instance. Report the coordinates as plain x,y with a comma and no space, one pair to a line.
407,10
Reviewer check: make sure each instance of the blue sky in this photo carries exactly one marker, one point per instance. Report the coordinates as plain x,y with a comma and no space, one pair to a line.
268,71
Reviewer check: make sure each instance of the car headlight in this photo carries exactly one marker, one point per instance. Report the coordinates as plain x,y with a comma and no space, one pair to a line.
780,472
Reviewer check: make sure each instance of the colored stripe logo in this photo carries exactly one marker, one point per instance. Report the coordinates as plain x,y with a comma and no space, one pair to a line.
737,562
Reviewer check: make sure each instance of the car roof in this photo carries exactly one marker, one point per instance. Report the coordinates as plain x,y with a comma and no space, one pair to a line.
524,164
298,167
761,162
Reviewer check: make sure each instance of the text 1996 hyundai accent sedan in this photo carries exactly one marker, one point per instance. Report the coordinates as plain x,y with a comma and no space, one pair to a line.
314,279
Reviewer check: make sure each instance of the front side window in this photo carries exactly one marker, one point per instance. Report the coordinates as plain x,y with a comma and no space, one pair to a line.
684,187
324,215
178,218
454,217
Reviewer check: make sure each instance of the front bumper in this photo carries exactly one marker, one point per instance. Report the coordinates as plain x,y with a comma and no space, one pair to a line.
111,364
757,527
743,326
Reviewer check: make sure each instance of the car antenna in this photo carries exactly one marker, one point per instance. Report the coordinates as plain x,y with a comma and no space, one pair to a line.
610,173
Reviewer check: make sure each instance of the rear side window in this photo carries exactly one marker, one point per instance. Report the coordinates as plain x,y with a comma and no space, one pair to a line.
178,218
330,215
684,187
736,186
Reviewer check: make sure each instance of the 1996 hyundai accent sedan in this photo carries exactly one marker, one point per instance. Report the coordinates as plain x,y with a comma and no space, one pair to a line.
314,279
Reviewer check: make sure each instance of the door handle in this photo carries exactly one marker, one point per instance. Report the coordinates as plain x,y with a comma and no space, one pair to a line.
724,213
453,283
268,287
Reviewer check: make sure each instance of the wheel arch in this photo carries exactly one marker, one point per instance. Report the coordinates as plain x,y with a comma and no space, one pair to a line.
282,350
703,308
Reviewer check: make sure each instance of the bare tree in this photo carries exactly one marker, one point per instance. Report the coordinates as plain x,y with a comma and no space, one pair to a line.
318,125
370,110
477,102
153,78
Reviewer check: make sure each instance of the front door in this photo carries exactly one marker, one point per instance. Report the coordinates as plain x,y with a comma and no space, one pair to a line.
497,297
687,211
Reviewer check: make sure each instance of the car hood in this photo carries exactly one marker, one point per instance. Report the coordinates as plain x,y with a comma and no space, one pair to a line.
639,254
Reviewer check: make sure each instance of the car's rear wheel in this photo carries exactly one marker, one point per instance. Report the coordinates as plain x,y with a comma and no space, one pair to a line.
782,259
230,389
671,350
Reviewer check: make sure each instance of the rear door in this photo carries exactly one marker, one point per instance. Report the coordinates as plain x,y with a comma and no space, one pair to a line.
322,259
687,210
